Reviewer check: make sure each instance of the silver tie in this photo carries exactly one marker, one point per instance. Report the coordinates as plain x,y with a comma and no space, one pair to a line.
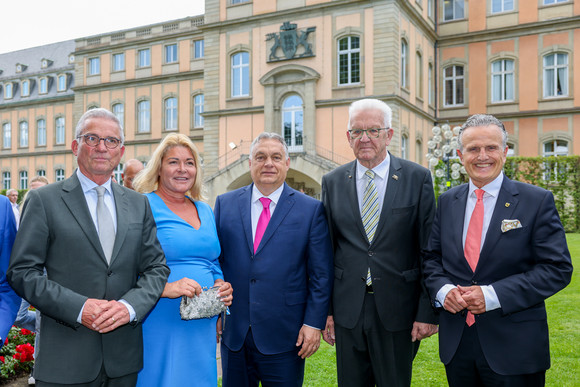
105,223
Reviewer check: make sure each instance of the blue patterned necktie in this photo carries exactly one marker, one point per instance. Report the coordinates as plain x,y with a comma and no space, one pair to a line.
370,212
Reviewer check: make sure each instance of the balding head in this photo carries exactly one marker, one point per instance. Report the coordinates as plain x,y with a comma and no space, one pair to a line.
131,169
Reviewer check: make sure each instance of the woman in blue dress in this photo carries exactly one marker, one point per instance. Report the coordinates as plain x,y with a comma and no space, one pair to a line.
178,352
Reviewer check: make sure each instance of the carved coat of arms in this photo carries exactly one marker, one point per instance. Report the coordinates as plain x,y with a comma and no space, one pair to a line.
290,43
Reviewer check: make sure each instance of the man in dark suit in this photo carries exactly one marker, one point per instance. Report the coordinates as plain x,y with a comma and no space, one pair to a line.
282,273
497,251
104,265
9,300
380,210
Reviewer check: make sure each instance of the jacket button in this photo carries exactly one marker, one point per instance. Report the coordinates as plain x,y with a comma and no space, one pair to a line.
371,253
253,281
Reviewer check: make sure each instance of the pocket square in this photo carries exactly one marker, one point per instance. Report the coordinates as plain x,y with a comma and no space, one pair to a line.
510,224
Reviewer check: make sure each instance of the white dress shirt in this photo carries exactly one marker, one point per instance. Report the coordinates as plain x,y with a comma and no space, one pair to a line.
257,206
381,172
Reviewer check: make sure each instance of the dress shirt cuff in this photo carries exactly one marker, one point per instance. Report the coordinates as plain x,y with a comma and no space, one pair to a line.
310,326
442,294
80,317
130,309
491,300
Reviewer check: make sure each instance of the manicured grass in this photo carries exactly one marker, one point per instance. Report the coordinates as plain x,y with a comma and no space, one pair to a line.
428,371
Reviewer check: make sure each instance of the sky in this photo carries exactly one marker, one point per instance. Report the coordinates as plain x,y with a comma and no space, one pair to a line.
35,23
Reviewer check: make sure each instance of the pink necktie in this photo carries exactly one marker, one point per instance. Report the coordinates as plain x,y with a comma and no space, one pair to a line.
473,240
262,222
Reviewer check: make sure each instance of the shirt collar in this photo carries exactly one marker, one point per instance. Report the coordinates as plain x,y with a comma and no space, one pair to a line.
274,196
87,184
380,170
490,188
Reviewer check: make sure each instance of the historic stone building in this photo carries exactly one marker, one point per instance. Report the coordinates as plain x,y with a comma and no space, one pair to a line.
293,67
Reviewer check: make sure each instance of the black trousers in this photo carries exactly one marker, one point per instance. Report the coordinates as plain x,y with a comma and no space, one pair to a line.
102,380
369,355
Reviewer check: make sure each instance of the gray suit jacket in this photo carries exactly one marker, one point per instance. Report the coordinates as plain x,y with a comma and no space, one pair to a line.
394,256
57,233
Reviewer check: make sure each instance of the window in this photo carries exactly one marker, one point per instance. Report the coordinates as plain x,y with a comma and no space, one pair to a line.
502,80
59,130
41,132
197,110
511,150
23,133
555,148
502,6
453,9
119,112
43,87
453,89
61,82
25,88
241,74
349,60
171,113
59,175
119,62
404,146
145,58
547,2
419,75
239,1
293,122
198,49
171,53
8,90
431,90
556,75
430,9
41,172
23,180
6,180
6,135
94,66
117,173
418,152
143,117
404,64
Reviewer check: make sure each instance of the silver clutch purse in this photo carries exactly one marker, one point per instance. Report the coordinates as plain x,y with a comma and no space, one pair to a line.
206,305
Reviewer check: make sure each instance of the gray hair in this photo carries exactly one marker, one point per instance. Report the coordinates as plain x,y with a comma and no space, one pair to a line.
98,113
371,104
269,136
482,120
10,191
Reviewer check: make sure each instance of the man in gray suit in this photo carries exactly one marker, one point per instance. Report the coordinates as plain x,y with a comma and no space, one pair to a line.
104,265
380,210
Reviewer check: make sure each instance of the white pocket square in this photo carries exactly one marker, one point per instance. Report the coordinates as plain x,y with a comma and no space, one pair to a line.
510,224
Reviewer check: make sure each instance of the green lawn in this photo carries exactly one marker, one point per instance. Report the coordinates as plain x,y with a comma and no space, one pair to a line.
563,320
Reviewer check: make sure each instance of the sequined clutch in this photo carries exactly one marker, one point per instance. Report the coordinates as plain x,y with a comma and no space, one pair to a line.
206,305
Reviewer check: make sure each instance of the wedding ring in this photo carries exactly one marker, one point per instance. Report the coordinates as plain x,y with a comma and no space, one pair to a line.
113,318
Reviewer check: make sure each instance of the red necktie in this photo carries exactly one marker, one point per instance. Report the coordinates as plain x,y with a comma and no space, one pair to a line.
473,240
262,222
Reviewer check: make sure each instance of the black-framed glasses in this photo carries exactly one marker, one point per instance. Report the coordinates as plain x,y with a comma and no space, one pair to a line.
94,140
371,133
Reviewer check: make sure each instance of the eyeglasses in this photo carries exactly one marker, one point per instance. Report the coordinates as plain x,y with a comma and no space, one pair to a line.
94,141
371,133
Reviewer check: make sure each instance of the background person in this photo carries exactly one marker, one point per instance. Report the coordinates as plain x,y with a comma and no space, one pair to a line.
276,252
380,308
179,352
104,266
12,194
497,251
130,170
9,300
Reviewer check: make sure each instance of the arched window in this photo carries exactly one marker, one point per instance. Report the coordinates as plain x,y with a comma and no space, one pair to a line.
502,80
119,112
556,75
6,135
59,175
404,147
197,110
240,74
555,148
23,133
23,179
59,131
144,116
404,64
453,86
41,132
349,60
419,74
293,122
6,180
171,113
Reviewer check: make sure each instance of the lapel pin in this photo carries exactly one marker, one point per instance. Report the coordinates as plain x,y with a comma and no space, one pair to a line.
350,176
395,177
507,205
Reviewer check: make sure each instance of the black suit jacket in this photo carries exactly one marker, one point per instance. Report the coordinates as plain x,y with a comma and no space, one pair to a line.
524,265
57,233
395,253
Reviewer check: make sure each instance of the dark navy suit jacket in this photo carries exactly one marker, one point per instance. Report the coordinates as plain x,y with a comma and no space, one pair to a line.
524,265
9,300
287,282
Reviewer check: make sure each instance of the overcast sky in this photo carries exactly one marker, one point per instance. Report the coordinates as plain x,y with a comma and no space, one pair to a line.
34,23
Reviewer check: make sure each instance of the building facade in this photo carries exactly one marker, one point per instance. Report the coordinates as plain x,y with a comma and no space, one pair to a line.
293,67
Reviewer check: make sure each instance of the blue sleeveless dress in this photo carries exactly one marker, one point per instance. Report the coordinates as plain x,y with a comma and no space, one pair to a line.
178,352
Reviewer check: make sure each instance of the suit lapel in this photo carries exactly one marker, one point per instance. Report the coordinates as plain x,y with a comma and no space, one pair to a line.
74,198
283,207
458,214
245,205
122,207
352,197
505,206
390,193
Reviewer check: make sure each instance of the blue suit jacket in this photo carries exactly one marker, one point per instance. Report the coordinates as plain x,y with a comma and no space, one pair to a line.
9,300
524,265
287,283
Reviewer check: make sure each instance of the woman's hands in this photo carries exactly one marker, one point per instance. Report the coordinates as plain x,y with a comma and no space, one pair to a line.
225,291
183,287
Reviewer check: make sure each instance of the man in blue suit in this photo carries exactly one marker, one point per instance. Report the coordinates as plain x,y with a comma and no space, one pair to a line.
9,300
282,275
496,252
